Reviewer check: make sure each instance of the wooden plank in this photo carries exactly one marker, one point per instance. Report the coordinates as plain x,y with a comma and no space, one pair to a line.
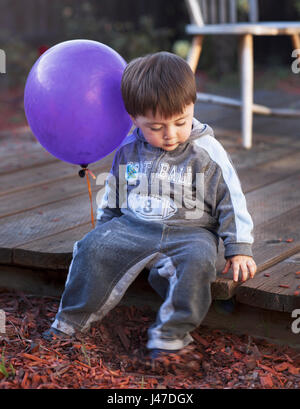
267,130
276,291
264,174
275,326
261,154
272,139
267,251
215,115
260,208
30,281
52,190
18,141
51,235
59,253
23,153
61,216
29,178
273,200
47,220
46,194
51,252
230,136
54,251
6,255
30,160
269,172
34,224
273,239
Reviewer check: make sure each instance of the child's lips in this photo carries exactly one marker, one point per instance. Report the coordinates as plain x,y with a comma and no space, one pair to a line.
171,144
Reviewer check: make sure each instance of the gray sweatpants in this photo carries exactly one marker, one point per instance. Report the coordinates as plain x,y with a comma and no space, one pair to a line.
109,258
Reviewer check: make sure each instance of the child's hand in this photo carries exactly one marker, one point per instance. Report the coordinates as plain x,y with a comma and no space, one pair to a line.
246,263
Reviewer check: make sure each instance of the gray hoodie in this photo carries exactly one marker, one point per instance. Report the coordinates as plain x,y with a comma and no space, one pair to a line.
194,185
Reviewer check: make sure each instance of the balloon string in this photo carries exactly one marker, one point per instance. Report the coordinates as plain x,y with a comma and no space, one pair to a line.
87,172
90,195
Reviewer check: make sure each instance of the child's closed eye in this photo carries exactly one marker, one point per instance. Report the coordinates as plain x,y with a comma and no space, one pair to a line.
159,129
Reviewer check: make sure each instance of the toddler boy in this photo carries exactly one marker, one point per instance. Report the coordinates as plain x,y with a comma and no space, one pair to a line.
171,193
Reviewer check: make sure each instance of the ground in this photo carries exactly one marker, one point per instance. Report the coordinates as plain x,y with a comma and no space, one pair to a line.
113,354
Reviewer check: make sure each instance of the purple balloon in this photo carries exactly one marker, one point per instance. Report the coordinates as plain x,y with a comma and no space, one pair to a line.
73,101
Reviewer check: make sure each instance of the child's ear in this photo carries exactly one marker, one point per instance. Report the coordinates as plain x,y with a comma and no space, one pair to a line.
133,119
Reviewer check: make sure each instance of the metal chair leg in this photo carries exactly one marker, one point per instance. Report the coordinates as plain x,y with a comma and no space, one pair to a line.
246,64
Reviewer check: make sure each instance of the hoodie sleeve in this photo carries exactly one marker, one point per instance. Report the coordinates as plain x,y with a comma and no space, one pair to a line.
235,223
109,205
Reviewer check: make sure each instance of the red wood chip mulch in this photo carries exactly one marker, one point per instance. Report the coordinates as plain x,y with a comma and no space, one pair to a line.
113,354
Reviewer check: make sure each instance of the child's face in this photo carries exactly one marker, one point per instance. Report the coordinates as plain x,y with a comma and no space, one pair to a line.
166,133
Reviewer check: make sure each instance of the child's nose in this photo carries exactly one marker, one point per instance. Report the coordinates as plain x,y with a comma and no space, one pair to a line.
169,134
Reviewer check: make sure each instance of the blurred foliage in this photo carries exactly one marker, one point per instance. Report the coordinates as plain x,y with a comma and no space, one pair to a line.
128,39
20,56
141,36
297,6
243,9
181,48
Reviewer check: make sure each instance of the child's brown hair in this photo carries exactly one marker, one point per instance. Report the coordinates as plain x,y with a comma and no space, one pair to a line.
162,82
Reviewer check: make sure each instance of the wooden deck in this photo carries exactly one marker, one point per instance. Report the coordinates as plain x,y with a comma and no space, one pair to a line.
45,208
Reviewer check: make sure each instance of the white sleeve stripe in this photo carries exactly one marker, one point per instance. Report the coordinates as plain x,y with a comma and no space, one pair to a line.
243,220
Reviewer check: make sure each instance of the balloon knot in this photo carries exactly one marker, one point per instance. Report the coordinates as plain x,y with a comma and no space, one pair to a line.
81,173
85,170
